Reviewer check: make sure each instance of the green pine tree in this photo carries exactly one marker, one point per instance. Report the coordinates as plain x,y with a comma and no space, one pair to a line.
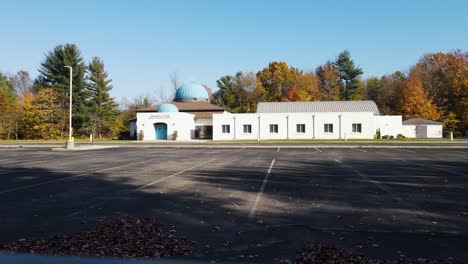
349,73
103,108
53,74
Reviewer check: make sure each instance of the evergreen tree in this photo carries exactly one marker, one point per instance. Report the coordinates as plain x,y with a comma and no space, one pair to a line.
53,74
103,108
349,73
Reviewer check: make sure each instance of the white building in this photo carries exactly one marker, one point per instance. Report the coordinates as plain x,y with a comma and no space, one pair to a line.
307,120
191,116
422,128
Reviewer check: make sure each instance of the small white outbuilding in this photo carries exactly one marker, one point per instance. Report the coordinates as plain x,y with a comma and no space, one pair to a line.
422,128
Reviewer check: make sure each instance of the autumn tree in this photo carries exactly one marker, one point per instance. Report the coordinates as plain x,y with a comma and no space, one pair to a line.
330,85
103,108
414,101
349,74
48,112
304,89
8,108
445,77
235,92
277,79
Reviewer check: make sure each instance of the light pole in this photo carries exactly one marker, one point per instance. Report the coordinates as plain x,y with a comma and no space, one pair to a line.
70,143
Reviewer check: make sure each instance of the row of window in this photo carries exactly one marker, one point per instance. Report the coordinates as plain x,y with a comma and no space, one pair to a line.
300,128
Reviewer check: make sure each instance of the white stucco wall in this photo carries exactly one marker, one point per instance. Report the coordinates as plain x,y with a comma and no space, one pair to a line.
287,128
204,121
182,122
434,131
389,125
409,131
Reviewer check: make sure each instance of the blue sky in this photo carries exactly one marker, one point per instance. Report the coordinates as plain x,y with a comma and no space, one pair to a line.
142,42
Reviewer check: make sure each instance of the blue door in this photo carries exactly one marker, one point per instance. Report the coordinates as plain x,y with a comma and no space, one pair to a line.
161,130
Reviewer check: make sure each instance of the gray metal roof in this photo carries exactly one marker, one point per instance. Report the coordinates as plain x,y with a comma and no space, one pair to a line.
318,106
420,121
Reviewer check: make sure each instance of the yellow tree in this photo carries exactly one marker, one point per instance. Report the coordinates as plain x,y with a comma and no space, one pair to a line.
50,111
414,101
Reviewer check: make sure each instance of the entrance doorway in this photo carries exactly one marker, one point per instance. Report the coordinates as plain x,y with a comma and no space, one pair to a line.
161,130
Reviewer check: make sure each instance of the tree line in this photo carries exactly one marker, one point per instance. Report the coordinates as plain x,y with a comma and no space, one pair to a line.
39,109
435,88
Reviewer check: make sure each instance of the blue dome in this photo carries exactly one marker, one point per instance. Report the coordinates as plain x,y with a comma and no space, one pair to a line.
192,92
167,108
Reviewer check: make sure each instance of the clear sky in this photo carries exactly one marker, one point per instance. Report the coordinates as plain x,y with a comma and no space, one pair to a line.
142,42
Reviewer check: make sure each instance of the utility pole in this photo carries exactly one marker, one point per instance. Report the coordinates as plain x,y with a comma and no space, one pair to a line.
70,143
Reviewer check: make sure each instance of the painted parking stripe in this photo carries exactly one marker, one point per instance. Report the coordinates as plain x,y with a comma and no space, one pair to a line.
73,176
317,149
360,149
432,167
172,175
409,151
260,192
278,150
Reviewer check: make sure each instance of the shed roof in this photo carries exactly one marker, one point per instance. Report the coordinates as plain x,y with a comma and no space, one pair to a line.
318,106
420,121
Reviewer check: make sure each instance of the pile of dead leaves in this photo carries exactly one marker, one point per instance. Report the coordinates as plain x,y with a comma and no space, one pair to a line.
125,237
322,253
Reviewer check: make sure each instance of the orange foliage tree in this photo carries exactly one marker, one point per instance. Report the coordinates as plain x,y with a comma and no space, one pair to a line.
414,101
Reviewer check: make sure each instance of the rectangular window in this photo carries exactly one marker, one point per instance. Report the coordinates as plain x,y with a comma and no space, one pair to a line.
357,128
300,128
273,128
248,129
226,129
328,128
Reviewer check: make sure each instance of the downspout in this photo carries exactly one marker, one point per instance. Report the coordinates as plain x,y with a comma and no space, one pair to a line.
339,135
313,126
234,128
258,136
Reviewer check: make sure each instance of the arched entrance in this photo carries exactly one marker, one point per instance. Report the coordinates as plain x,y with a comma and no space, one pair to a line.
161,130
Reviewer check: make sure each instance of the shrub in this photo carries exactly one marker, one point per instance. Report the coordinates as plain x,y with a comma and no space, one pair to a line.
400,136
174,135
385,137
141,135
377,134
391,137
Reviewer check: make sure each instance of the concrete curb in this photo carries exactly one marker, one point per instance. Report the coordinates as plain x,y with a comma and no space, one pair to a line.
84,148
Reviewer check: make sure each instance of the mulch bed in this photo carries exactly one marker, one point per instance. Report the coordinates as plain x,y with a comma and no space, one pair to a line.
323,253
124,237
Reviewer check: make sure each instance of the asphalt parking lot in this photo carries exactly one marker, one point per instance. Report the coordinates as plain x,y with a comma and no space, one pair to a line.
249,205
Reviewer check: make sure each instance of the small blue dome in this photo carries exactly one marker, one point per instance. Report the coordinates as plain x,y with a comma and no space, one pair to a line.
167,108
192,92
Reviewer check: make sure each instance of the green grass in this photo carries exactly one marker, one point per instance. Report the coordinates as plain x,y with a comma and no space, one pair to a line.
406,140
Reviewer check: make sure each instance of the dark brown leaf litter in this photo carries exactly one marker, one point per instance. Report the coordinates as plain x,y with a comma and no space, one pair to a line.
124,237
322,253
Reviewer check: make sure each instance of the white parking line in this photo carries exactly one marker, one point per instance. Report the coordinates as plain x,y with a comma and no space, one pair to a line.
260,192
278,150
172,175
177,173
360,149
433,167
73,176
409,151
317,149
